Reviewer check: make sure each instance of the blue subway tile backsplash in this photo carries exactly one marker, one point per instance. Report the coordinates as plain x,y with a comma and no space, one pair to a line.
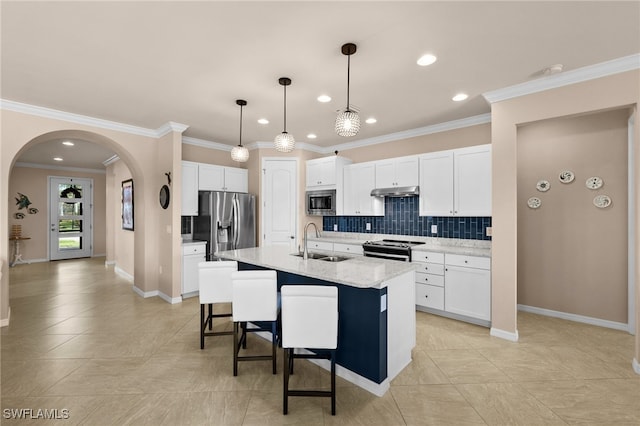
401,218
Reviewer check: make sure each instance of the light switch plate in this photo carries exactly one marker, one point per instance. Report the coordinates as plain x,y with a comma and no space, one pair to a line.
368,227
434,229
489,231
383,303
335,227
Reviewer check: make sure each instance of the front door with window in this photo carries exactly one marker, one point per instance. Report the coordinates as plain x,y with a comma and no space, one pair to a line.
70,217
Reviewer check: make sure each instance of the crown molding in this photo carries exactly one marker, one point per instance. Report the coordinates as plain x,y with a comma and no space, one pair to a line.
91,121
590,72
206,144
65,168
412,133
109,161
299,145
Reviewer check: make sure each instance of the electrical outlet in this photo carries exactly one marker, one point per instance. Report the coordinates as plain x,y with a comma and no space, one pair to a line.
434,229
368,228
335,227
488,231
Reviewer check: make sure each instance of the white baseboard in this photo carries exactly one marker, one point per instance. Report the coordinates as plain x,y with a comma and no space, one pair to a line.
172,300
99,255
109,262
144,294
574,317
124,274
636,366
5,322
502,334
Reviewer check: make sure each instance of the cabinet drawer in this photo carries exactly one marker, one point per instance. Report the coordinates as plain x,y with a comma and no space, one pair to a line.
437,280
320,245
468,261
192,249
347,248
430,296
430,268
427,256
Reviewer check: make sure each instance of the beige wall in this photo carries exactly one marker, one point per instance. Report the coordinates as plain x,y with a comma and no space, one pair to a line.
121,249
34,183
572,256
612,92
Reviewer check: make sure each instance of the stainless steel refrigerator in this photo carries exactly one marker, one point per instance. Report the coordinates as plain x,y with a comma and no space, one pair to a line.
226,221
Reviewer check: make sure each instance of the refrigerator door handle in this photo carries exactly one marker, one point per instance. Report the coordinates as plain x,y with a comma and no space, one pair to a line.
236,225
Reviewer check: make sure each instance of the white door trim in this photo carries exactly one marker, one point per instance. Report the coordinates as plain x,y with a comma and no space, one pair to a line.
631,240
263,192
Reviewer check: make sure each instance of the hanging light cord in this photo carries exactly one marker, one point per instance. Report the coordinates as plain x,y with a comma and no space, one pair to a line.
285,109
241,124
348,75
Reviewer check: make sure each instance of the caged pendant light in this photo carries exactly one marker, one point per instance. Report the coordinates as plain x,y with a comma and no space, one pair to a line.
285,142
348,122
240,153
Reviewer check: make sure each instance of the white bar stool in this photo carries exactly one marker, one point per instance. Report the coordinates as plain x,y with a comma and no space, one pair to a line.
254,300
309,320
214,283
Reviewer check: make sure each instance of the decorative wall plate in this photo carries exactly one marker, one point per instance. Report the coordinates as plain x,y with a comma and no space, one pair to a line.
164,196
534,202
602,201
543,185
566,176
594,182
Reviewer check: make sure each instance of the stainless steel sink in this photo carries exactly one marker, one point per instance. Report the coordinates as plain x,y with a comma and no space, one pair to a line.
323,257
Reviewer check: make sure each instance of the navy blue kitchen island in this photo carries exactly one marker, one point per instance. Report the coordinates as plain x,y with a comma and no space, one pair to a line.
376,302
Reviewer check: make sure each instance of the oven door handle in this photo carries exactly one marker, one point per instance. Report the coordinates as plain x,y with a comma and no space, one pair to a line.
387,255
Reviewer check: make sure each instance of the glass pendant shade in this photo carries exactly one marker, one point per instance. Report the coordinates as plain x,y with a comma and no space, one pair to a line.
284,142
347,123
239,153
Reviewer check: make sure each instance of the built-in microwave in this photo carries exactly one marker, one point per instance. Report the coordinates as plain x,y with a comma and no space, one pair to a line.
321,202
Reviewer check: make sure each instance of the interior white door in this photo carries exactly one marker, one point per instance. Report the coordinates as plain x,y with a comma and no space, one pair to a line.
70,218
279,202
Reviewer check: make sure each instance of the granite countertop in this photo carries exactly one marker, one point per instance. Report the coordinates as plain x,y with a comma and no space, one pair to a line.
443,245
357,271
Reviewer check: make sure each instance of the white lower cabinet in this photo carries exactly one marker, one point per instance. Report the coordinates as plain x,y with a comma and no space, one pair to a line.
453,285
192,254
348,248
468,286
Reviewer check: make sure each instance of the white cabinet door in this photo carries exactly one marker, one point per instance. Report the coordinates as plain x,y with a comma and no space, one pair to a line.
468,292
236,179
385,173
358,182
472,177
436,184
191,255
189,189
321,172
407,171
430,296
210,177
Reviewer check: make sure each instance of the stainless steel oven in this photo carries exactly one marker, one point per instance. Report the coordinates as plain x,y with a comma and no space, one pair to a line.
389,249
321,202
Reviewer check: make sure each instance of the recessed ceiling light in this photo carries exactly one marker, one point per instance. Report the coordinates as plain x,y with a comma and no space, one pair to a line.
324,98
68,143
57,158
427,59
311,136
460,97
263,121
371,120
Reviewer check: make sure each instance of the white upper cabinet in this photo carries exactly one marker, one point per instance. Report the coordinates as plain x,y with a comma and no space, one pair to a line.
325,172
189,188
359,180
220,178
401,171
456,182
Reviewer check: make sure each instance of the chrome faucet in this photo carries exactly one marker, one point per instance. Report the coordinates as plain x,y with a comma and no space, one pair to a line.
305,253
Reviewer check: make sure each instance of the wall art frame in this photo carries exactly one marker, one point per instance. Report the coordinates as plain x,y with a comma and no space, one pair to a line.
127,205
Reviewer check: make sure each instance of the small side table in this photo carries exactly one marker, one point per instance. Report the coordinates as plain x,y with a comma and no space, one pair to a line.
17,256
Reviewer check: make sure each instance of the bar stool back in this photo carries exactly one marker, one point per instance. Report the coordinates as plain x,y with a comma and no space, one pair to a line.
309,320
254,300
215,286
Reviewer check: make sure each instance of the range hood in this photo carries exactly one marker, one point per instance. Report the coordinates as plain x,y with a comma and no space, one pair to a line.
396,191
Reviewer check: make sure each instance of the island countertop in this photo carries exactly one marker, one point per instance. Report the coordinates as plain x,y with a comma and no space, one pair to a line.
357,271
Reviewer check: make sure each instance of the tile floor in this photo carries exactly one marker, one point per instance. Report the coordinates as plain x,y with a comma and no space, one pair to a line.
81,340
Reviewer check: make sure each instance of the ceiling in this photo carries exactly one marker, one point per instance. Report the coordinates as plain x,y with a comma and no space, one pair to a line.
147,63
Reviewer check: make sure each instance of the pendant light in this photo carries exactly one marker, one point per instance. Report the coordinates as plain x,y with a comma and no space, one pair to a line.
284,141
240,153
348,122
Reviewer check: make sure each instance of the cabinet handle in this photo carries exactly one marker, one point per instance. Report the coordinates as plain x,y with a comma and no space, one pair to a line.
426,279
426,296
466,261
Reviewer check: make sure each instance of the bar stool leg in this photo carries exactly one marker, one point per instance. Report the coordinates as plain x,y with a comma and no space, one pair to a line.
236,348
202,326
333,383
285,395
